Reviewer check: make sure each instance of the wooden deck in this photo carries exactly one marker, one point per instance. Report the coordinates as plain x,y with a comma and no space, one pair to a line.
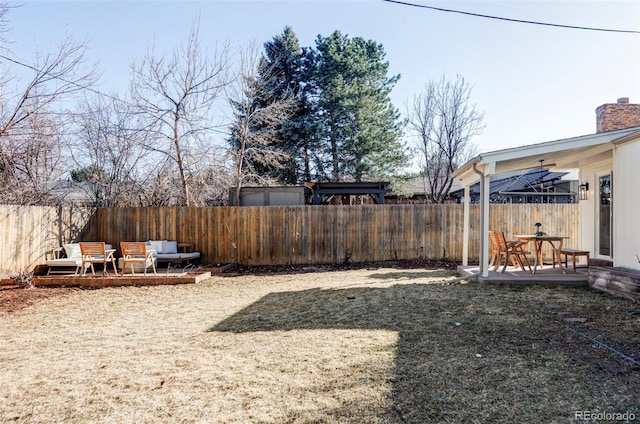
545,275
100,280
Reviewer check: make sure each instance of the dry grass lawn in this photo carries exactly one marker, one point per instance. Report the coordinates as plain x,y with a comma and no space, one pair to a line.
362,346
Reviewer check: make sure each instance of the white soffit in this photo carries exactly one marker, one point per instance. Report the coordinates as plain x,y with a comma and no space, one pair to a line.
558,154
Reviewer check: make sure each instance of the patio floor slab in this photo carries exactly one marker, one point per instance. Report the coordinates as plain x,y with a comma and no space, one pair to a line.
544,275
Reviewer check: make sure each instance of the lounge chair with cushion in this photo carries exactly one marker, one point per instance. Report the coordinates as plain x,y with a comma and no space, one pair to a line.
64,259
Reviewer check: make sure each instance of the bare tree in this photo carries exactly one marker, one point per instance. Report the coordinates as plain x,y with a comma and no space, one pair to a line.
36,162
176,95
162,187
31,117
258,119
444,121
110,150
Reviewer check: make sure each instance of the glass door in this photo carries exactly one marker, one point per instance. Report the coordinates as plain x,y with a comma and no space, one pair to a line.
604,215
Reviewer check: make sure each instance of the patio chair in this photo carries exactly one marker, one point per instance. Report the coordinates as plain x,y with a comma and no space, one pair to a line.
63,259
495,249
136,252
509,250
97,253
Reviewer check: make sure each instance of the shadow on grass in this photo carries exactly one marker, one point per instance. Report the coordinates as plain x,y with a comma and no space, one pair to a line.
465,353
412,274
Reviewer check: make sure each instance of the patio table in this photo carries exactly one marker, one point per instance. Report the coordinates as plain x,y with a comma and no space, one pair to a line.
554,241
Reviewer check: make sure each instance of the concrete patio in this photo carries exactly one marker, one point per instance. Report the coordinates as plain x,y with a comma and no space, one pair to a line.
544,275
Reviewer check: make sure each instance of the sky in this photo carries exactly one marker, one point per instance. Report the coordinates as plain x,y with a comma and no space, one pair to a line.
534,83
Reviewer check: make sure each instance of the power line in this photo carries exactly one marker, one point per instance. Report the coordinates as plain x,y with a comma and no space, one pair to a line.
521,21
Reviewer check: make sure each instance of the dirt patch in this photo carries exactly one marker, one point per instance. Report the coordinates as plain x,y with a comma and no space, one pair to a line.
14,298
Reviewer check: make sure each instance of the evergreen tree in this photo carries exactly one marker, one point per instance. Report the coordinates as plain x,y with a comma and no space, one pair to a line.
254,138
360,129
283,74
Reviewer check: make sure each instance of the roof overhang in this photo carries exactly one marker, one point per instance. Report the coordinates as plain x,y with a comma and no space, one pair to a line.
562,154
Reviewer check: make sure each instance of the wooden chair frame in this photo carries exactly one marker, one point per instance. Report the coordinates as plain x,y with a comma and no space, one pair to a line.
136,252
95,252
509,250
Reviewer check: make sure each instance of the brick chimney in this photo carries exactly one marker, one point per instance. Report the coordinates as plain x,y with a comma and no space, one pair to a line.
617,116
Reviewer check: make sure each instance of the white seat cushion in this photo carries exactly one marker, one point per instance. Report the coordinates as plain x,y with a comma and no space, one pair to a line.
72,250
173,256
155,245
169,247
65,262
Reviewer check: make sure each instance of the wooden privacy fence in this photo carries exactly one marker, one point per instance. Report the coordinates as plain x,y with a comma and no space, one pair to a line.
326,234
276,235
29,233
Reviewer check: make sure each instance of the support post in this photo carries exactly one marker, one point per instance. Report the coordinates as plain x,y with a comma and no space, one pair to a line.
465,226
484,227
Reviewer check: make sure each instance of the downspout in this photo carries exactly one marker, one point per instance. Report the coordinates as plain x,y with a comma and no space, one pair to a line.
482,238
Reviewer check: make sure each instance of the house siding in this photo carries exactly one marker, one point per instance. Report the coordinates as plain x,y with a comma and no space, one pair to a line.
626,174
